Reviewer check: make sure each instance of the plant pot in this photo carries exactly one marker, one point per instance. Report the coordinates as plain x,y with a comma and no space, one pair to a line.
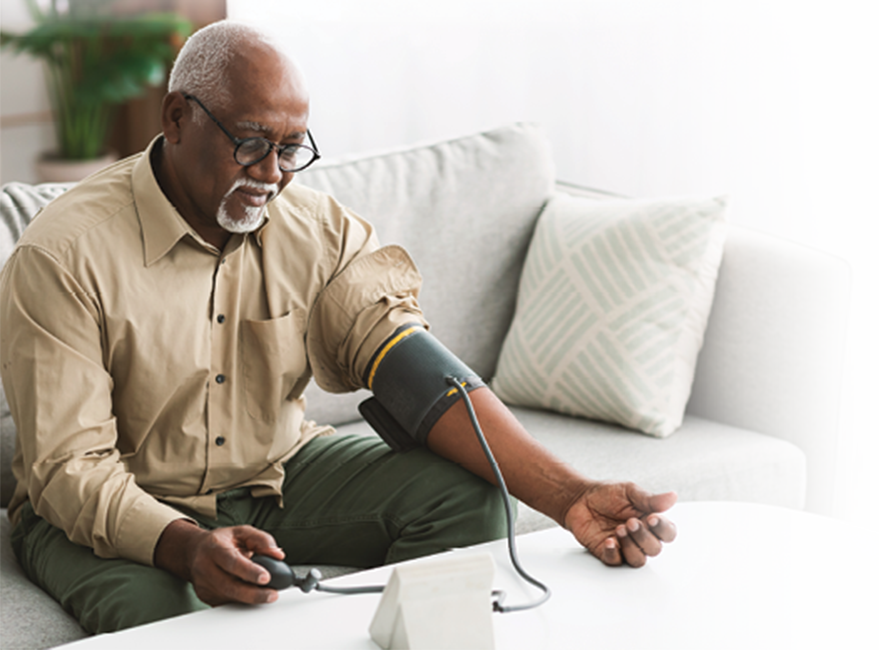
50,169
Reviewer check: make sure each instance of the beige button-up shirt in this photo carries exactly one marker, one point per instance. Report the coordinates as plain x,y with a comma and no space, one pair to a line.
144,366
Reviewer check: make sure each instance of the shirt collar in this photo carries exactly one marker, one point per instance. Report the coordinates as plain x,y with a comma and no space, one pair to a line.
160,222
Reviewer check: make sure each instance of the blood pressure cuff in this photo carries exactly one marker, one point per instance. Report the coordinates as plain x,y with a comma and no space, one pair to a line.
408,377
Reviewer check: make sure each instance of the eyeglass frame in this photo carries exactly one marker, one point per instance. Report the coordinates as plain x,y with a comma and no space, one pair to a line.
238,142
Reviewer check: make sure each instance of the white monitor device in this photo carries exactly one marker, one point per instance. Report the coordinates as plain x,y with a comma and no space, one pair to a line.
437,604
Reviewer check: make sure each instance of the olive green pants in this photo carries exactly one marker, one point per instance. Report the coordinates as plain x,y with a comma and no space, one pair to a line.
348,500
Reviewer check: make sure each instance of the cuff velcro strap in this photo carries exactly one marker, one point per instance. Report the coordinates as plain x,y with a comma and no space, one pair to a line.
408,377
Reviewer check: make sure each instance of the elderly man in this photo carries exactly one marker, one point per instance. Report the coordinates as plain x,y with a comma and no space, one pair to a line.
160,324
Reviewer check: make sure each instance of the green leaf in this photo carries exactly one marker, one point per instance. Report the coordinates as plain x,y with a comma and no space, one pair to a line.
95,62
36,14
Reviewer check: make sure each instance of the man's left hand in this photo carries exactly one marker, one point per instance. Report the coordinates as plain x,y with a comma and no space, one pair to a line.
619,523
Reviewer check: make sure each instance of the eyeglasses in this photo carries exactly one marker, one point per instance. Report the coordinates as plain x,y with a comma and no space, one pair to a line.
248,151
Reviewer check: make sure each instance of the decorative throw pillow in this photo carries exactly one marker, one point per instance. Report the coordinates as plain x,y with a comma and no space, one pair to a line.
613,301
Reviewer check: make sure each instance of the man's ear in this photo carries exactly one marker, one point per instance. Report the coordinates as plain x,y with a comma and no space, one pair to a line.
174,114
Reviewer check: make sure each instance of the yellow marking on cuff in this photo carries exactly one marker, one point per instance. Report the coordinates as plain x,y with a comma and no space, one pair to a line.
385,350
454,390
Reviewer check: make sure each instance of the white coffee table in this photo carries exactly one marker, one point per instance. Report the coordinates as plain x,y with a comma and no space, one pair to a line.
739,576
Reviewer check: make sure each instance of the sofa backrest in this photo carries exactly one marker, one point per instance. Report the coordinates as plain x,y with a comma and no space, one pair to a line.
465,209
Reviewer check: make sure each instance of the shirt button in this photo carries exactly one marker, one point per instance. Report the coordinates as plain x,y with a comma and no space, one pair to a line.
219,440
220,318
220,379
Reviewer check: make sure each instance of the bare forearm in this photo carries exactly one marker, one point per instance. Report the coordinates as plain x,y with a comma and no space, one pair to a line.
176,547
531,472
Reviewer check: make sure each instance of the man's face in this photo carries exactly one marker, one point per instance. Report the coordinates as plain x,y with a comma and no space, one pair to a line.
266,99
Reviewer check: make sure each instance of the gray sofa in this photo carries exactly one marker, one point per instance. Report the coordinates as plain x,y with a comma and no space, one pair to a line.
761,423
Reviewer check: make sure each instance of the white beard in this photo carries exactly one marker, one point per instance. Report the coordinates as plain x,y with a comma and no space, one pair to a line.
251,217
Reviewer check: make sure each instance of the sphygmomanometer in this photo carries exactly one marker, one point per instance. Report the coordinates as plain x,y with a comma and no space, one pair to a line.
410,393
415,380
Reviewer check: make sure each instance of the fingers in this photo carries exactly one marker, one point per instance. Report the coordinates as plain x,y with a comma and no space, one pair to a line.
640,539
257,541
635,541
254,541
647,502
238,565
222,571
216,586
608,552
662,502
661,527
621,524
631,535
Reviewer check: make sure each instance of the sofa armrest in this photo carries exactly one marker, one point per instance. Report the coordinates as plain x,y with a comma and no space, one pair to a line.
774,349
783,352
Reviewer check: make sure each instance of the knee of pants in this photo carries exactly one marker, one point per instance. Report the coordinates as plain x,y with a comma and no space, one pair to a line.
134,595
484,516
104,595
461,512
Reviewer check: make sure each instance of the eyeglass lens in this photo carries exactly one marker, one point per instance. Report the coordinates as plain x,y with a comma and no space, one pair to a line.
291,157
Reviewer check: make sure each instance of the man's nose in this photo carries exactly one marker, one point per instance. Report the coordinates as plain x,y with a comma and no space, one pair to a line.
267,170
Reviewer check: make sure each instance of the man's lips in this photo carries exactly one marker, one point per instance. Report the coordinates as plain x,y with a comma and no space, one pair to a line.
252,197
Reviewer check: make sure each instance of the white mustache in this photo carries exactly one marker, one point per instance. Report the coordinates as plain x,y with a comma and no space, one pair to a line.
270,188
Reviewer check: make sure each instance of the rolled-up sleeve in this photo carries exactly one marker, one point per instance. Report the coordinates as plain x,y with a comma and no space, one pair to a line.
59,393
369,299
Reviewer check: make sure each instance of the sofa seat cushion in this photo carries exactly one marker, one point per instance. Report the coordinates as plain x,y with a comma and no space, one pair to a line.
30,618
703,461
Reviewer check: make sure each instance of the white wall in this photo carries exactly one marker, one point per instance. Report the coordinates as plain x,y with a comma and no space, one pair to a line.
26,128
772,102
779,103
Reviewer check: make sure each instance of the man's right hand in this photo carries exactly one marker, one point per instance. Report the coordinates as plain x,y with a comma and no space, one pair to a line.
217,562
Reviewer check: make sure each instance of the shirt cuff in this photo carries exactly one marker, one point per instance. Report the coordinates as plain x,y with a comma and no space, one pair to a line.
142,527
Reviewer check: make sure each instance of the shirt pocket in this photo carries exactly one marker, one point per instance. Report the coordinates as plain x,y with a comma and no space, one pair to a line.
272,359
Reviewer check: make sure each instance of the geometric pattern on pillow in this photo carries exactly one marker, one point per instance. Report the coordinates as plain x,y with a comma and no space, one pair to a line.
613,302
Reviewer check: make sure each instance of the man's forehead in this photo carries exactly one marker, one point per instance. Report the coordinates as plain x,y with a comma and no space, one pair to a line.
251,125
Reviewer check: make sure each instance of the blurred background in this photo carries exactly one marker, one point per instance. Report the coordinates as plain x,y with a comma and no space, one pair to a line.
786,106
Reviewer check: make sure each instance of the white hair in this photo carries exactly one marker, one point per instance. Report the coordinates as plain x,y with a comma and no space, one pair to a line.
201,66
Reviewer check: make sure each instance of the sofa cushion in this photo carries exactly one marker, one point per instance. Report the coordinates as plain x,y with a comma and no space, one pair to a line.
7,451
431,199
704,460
29,618
614,299
19,203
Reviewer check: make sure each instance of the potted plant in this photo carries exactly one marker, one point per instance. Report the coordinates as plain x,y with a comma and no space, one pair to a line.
95,60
